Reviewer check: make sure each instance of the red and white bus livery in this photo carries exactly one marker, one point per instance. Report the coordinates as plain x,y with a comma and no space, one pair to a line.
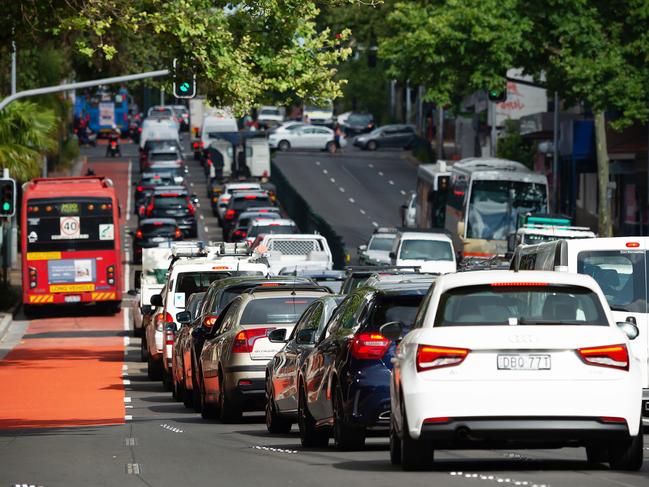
71,246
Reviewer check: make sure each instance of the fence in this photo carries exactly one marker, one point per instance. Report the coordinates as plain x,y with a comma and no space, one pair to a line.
305,218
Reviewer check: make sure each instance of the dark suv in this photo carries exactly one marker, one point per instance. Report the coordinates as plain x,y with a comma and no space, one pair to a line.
173,202
401,136
344,384
240,202
359,123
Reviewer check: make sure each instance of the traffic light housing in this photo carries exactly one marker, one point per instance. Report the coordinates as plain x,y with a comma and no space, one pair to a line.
7,198
184,81
498,95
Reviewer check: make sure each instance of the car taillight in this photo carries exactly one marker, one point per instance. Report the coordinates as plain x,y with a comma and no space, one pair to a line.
208,321
613,356
140,188
215,199
239,233
229,215
158,320
149,209
169,318
33,278
369,346
110,274
209,162
192,210
139,234
433,357
178,233
245,340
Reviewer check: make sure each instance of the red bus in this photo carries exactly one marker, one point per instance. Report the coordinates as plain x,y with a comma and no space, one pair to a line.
71,250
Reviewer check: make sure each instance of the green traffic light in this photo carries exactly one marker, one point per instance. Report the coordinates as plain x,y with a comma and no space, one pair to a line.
6,206
184,87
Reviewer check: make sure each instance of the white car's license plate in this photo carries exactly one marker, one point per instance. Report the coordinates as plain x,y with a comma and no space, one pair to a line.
72,299
524,361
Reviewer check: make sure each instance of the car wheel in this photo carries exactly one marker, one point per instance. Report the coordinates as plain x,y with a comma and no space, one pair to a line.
596,454
372,145
309,434
153,369
144,353
331,147
415,454
196,388
167,382
208,411
284,145
274,422
346,437
228,411
395,444
626,455
188,395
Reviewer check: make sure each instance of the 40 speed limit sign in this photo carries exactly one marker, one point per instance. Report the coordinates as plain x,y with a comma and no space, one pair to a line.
70,227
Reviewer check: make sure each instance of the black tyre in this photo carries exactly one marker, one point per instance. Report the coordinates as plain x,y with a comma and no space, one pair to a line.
415,454
309,434
167,381
331,147
371,145
284,145
346,436
153,369
395,444
626,455
196,388
229,412
188,396
275,423
596,454
144,352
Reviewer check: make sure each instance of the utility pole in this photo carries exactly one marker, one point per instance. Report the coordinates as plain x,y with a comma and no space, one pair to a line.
440,132
13,67
162,96
605,227
555,154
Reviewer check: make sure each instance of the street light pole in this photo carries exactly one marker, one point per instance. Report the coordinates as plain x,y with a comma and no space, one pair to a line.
13,67
555,154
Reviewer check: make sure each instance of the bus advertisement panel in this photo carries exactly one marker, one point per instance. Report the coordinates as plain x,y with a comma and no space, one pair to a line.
71,245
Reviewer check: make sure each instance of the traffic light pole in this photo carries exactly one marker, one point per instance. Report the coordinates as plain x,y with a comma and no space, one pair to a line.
83,84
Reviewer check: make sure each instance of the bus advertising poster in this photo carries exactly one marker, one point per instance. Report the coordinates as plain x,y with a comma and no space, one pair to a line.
71,271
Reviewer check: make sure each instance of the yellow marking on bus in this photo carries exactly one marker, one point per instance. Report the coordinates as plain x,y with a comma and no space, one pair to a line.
103,296
71,288
43,255
41,298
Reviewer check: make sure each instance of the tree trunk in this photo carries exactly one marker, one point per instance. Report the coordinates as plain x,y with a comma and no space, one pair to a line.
605,227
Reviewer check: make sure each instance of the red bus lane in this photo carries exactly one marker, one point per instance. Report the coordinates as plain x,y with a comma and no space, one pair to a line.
67,371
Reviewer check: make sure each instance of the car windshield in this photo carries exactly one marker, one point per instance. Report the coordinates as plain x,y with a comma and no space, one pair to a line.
495,206
272,228
520,305
245,203
197,282
173,171
359,119
381,243
426,250
274,311
621,274
401,308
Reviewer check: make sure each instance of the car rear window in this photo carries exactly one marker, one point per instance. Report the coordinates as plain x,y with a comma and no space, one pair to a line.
170,201
426,250
274,311
158,229
381,243
164,156
394,308
157,181
245,203
517,304
272,228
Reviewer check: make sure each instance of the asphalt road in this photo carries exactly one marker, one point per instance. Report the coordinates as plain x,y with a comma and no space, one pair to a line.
160,443
355,191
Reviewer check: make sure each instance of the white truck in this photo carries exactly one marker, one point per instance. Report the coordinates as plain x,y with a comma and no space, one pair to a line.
296,252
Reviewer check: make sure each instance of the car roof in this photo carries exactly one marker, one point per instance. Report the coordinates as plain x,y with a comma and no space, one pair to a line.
442,236
228,186
237,281
288,292
398,288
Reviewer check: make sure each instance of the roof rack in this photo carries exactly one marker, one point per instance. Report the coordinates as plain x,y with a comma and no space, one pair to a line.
229,249
188,249
289,286
386,230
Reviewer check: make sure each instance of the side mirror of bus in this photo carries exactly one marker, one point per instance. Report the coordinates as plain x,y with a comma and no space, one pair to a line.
156,300
393,255
362,248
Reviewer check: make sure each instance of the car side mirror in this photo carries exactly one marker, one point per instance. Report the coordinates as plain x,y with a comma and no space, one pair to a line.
277,336
392,330
630,329
305,337
184,317
362,248
393,255
156,300
146,309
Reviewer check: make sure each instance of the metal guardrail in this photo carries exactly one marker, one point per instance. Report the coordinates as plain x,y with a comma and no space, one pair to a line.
304,216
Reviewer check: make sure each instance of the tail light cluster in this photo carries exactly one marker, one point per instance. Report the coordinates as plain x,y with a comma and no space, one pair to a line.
245,340
149,208
369,346
160,319
178,233
192,210
229,215
209,321
140,188
613,356
433,357
139,234
215,199
239,233
33,278
110,274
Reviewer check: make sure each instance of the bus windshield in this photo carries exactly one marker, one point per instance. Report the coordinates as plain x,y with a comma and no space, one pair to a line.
495,205
70,224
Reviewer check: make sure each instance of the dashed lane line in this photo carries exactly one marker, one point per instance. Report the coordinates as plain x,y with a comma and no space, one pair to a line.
371,166
324,171
497,479
362,212
133,468
206,230
380,173
317,163
171,428
402,192
342,190
276,450
390,182
375,224
332,180
352,200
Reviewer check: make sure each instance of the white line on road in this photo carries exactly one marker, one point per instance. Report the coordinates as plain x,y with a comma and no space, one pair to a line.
352,200
191,184
332,180
201,217
375,224
276,450
127,399
128,417
371,165
362,212
133,468
206,230
380,173
126,382
171,428
390,182
342,190
325,171
317,163
402,192
124,367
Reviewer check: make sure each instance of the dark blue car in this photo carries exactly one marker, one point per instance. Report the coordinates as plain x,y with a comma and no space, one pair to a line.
344,385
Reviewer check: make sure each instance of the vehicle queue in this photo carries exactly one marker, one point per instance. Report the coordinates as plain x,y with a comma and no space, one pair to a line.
416,345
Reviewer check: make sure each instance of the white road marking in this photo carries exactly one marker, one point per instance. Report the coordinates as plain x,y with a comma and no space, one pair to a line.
127,399
402,192
380,173
191,184
352,200
276,450
128,406
342,190
201,216
171,428
124,367
206,230
128,417
133,468
126,382
375,224
130,442
371,165
128,198
325,171
317,163
495,478
362,212
332,180
390,182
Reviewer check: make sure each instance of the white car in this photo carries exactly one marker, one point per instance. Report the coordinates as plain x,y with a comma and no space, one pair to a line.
268,226
500,359
228,189
305,137
270,116
377,250
430,251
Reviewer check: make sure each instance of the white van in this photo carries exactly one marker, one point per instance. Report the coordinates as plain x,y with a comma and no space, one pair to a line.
216,124
619,265
430,251
159,131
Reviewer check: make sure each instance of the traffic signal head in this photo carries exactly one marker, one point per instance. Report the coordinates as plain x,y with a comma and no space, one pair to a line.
498,95
7,198
184,81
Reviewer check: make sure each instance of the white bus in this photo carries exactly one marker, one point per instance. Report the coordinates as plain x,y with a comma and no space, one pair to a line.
478,200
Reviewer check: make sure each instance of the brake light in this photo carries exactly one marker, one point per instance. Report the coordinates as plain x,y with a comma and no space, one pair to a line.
613,356
518,284
209,162
159,321
239,233
110,274
140,188
433,357
245,340
369,346
192,210
612,419
633,245
437,420
33,277
215,199
209,321
229,215
250,197
149,209
170,194
178,233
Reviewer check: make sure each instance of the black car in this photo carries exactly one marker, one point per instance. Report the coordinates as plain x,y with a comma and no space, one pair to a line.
344,385
173,202
359,123
240,229
201,329
146,185
240,202
282,370
151,232
397,136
